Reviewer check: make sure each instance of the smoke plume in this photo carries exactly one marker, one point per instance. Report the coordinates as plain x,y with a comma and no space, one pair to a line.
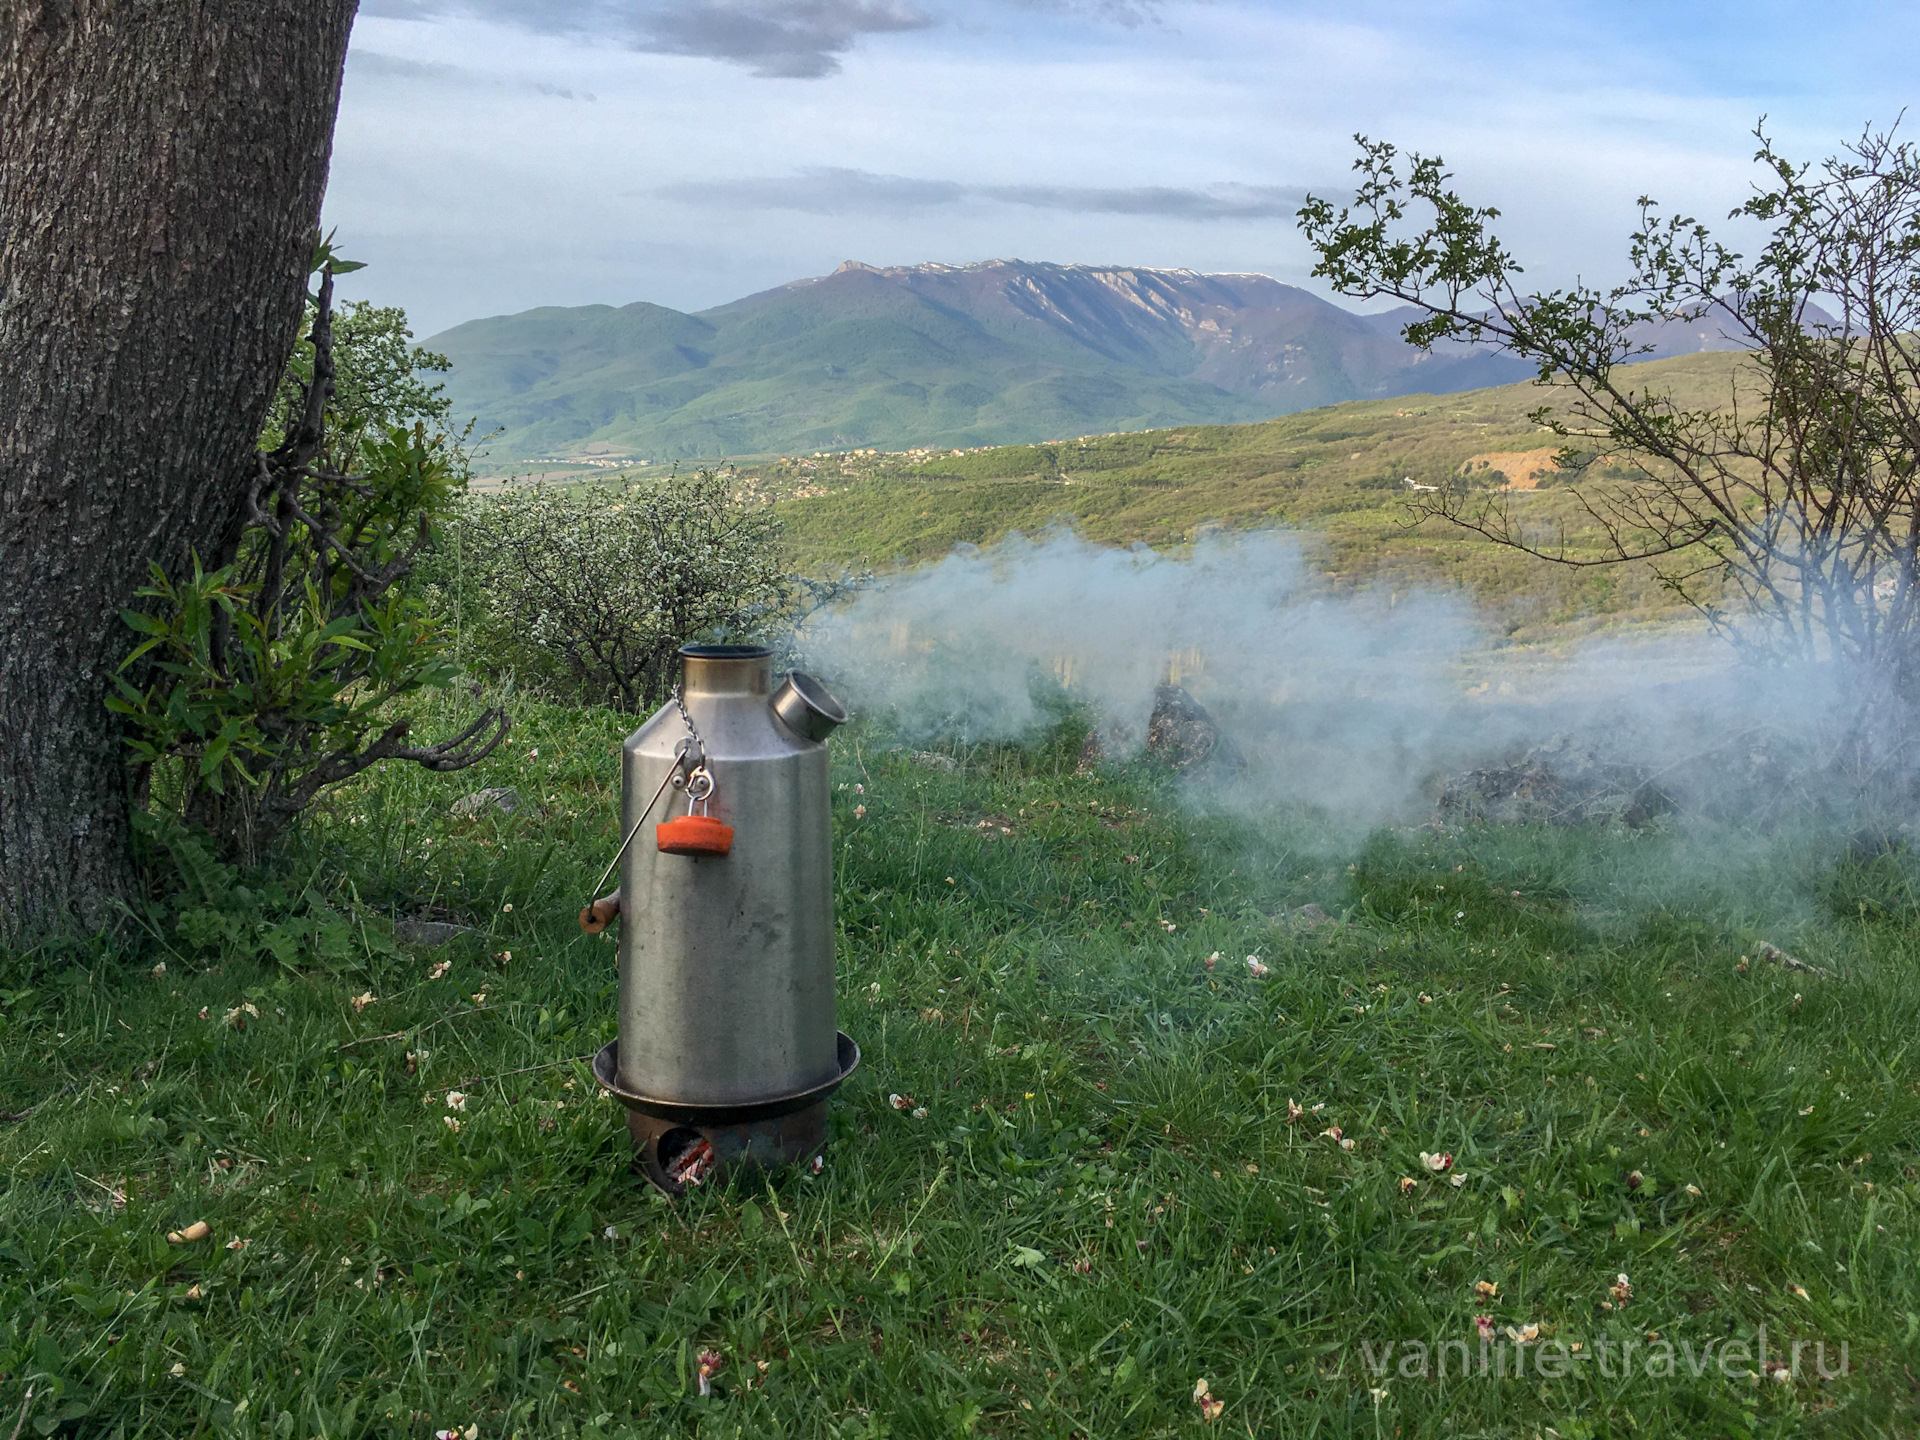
1353,703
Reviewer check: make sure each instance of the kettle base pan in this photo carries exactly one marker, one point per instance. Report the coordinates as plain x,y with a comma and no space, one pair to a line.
766,1135
756,1145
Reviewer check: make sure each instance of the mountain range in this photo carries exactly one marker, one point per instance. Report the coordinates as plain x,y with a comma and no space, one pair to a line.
1001,352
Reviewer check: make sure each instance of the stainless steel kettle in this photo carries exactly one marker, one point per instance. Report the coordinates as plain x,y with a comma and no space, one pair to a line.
726,959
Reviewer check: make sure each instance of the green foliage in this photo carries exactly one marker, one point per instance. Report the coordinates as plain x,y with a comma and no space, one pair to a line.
377,381
214,915
263,680
262,704
1784,513
1877,879
593,592
1109,1199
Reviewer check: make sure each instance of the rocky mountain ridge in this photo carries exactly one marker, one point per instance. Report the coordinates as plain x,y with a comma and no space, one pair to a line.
997,352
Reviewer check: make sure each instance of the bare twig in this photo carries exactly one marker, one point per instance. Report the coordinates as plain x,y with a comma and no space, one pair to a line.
114,1193
373,1039
456,753
1774,955
416,1030
14,1117
463,749
308,435
26,1404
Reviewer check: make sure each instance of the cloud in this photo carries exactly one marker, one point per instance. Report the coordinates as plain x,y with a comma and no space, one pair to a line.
821,190
790,39
829,190
1216,202
373,62
1118,12
796,39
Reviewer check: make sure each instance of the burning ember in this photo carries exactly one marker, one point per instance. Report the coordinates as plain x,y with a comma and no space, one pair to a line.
690,1166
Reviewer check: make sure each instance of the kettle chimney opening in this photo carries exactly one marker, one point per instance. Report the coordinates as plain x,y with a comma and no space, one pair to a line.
726,669
726,652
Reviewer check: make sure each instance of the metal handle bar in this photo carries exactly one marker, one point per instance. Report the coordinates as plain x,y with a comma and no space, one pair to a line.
673,770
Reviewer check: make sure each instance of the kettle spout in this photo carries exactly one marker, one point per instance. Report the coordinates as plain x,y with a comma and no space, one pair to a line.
805,707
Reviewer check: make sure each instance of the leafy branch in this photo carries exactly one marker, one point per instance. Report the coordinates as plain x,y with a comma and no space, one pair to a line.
1786,514
269,678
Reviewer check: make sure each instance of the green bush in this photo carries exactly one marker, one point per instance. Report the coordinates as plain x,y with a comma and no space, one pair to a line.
377,380
265,678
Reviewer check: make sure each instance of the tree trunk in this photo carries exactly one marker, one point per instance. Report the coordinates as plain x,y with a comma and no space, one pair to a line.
161,169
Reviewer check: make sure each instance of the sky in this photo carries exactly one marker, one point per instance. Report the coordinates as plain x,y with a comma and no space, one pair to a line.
496,155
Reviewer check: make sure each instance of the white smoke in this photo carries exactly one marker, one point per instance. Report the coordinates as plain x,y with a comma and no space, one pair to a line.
1352,689
1351,702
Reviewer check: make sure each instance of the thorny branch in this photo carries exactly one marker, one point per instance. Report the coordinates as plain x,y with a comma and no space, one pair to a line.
26,1405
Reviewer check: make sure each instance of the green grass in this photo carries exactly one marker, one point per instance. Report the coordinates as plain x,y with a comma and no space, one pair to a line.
1106,1202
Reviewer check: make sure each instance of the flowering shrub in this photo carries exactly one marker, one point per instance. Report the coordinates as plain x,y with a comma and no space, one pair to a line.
594,591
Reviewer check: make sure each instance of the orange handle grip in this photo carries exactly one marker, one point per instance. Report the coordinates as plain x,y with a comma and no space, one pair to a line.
694,835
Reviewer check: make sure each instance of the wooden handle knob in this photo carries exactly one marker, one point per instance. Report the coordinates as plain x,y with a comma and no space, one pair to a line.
600,914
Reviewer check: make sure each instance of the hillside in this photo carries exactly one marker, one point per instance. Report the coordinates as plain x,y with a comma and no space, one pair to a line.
1339,473
996,353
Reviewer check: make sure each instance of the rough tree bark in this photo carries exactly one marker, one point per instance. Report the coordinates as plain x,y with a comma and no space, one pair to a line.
161,169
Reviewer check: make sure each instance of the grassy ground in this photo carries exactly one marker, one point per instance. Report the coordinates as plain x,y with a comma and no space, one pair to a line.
1109,1199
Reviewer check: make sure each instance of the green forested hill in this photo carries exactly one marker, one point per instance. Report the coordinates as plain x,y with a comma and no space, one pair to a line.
944,355
927,354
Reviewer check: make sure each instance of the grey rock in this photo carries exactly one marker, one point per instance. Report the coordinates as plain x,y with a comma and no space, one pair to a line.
1564,781
929,760
503,798
428,934
1180,735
